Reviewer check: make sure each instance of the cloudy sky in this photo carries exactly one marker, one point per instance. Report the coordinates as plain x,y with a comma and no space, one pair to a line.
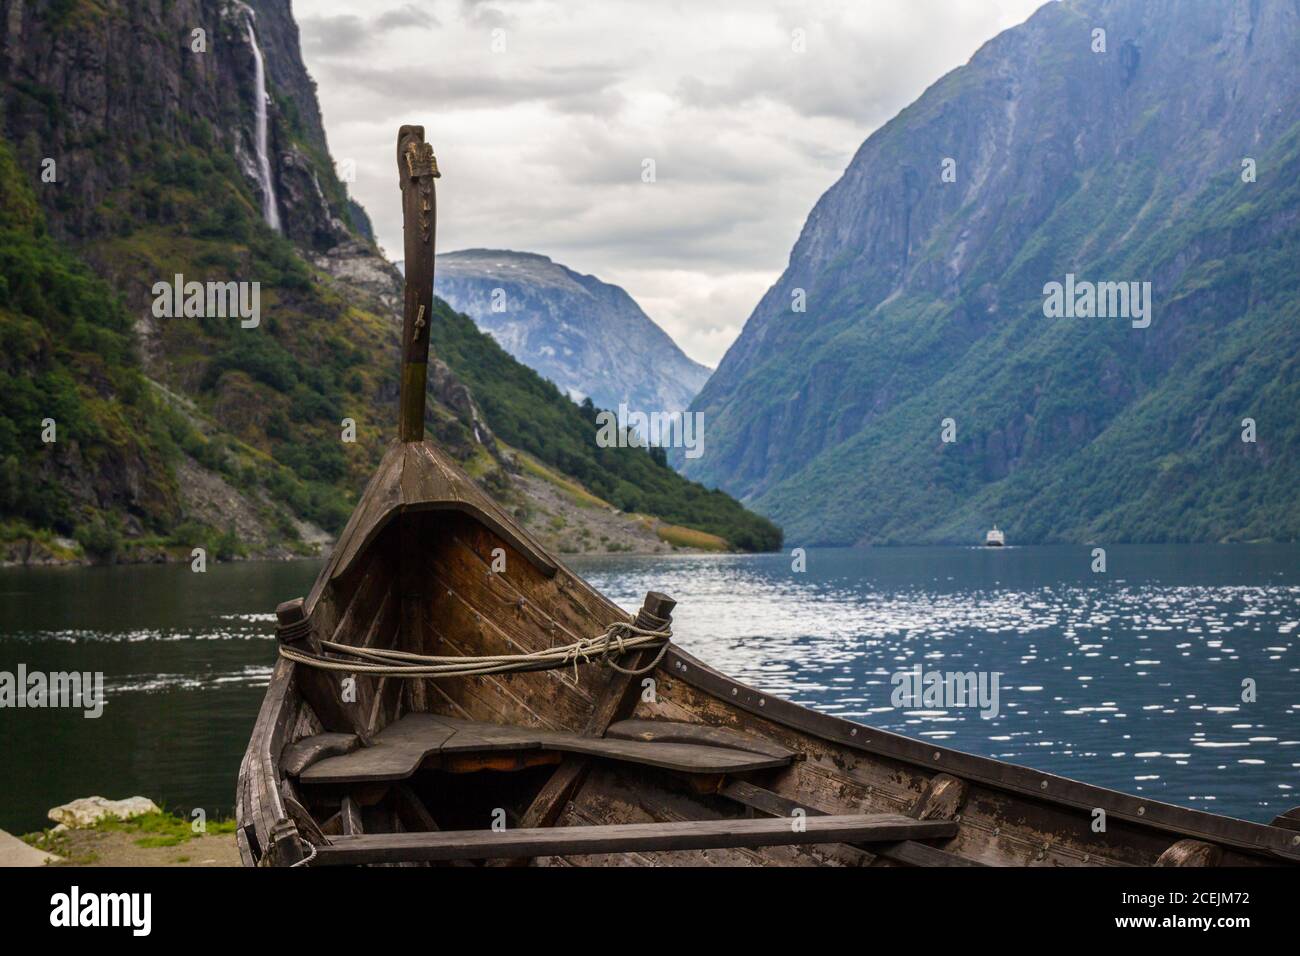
542,115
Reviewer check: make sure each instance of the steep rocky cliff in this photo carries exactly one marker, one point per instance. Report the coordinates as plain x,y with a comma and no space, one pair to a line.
588,337
1163,149
108,88
137,127
145,139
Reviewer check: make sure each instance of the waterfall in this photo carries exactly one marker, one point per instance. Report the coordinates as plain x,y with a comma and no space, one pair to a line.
270,212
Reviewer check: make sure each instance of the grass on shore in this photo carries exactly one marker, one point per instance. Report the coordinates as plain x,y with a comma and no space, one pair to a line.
150,830
680,537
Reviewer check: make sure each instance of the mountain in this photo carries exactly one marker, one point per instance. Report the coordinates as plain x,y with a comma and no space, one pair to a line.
588,337
1172,157
148,139
532,415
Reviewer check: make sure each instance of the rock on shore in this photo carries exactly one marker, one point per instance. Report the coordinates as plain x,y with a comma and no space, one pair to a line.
88,811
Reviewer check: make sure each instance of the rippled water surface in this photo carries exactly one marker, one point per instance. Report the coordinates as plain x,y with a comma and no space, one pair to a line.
1131,679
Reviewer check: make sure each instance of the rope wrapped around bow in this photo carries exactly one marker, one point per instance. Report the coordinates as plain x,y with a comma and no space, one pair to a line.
619,639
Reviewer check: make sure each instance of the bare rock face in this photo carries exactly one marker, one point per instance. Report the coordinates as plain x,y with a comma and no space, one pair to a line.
88,811
86,101
314,223
363,270
588,337
450,391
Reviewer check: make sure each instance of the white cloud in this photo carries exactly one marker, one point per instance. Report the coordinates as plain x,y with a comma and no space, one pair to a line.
541,145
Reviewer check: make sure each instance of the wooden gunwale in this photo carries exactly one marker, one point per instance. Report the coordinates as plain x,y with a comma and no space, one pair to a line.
413,477
258,790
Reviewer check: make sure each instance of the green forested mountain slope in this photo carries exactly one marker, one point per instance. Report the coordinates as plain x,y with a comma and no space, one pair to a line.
67,357
925,299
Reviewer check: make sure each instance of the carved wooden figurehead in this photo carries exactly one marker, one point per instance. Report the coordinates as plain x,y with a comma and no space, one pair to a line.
416,170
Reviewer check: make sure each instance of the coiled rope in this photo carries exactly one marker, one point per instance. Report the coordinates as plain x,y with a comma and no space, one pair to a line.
605,649
311,853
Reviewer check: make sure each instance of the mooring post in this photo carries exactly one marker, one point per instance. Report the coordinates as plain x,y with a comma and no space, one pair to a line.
417,169
656,612
291,624
285,843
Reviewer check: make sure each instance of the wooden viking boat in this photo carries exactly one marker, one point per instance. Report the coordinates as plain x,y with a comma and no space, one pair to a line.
449,693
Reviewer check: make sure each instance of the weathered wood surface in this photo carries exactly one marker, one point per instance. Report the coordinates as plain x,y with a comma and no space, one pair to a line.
671,731
1033,791
475,610
379,501
487,615
400,749
301,754
303,820
1191,853
615,701
562,841
259,805
765,801
1289,820
413,571
844,779
415,481
941,799
396,753
912,853
350,817
417,170
614,793
359,609
412,811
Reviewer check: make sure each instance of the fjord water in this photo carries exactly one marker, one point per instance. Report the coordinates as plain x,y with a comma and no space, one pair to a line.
185,659
1130,679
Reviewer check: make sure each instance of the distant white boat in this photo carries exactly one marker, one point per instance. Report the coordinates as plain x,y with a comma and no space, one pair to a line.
995,538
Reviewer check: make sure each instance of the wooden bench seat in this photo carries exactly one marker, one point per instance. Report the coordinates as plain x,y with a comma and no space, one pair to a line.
627,838
672,731
403,746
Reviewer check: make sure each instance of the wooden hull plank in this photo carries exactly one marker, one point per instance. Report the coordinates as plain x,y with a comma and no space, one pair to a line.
627,838
1190,853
